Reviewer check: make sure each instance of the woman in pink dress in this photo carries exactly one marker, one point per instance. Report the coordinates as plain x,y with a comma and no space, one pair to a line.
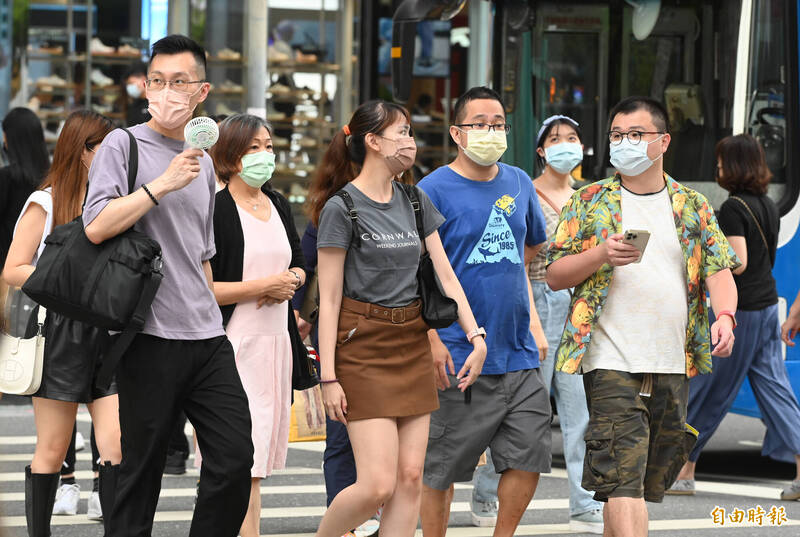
257,268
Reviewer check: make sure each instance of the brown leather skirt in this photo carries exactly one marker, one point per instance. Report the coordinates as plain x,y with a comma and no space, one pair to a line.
384,362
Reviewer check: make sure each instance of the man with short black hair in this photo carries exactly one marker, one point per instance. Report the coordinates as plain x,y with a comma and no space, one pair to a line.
135,102
494,227
638,326
182,359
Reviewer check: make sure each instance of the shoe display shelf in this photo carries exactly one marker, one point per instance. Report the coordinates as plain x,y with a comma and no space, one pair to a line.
76,59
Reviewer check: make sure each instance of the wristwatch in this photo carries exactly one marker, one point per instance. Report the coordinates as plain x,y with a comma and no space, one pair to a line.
480,331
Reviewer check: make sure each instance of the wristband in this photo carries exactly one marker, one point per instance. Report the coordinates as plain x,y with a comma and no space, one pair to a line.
296,275
152,197
730,314
480,331
328,381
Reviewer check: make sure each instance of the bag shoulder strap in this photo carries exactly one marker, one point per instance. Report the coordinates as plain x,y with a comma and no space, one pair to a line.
758,225
353,214
110,361
549,201
133,161
413,197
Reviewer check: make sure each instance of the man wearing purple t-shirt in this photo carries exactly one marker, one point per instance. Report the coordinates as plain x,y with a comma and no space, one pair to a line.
182,359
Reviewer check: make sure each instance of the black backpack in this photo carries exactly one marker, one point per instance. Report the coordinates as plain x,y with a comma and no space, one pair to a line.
109,285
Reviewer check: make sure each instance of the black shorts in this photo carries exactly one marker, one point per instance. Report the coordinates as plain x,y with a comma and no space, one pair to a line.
72,358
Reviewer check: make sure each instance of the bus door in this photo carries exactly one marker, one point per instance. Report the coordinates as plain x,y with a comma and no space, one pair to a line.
570,59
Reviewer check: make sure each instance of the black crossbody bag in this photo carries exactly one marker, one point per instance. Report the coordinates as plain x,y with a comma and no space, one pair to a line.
438,309
109,285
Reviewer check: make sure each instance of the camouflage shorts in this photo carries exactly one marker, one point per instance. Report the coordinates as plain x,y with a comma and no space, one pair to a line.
635,444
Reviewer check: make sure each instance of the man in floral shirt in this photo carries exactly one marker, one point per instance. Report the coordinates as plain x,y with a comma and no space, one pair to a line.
653,333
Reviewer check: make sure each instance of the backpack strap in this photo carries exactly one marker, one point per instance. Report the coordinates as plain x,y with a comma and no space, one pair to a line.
413,197
353,214
133,161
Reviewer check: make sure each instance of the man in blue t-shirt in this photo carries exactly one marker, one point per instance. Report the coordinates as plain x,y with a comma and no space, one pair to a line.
494,226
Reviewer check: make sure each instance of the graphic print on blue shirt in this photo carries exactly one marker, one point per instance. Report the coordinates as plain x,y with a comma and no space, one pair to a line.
487,226
497,241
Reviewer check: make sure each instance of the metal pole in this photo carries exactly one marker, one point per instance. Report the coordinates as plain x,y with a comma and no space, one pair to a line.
178,17
480,36
87,91
255,55
345,54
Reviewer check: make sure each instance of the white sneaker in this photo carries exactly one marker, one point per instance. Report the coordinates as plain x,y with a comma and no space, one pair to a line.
99,79
80,443
484,514
368,528
589,522
98,47
95,511
67,497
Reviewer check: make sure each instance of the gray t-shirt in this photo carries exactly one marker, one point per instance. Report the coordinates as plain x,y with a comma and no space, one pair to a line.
384,269
182,223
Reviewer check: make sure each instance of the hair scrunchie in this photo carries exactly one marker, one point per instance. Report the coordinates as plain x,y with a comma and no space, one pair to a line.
346,130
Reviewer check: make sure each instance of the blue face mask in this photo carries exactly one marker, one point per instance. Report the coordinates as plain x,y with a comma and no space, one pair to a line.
563,157
631,159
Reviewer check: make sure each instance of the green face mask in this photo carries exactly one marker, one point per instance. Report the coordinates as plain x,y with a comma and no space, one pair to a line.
257,168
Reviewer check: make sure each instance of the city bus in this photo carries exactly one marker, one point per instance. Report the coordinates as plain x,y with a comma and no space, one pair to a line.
721,67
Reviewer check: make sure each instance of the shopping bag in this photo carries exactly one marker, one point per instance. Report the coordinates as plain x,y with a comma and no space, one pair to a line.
308,416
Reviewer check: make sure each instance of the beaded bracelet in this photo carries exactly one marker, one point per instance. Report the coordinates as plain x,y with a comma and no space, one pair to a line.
328,381
152,197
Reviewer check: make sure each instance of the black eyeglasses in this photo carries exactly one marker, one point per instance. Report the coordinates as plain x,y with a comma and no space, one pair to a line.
634,137
486,126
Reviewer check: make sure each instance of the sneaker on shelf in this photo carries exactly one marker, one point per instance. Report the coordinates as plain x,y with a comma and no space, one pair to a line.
278,141
80,442
484,514
588,522
98,47
305,58
54,50
53,81
681,487
67,497
127,50
176,464
223,109
99,79
791,492
279,89
231,87
276,116
95,511
276,56
307,142
229,55
34,103
368,528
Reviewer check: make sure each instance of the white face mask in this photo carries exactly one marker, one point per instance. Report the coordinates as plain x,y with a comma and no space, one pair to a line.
630,159
134,91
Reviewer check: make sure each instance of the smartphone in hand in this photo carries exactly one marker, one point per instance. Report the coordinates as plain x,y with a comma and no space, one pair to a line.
637,238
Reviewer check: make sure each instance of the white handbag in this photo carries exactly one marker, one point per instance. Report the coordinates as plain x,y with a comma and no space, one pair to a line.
21,361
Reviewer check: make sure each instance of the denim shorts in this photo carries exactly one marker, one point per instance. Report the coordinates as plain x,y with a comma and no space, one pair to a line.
509,413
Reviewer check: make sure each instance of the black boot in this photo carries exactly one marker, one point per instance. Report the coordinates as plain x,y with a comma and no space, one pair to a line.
40,494
108,492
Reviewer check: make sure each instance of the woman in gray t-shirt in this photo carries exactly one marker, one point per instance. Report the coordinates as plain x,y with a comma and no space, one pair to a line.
376,365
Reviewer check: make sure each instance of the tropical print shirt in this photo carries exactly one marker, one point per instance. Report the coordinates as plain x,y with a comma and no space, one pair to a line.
592,214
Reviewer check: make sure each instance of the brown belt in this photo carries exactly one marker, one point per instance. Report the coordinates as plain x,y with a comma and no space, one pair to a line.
374,311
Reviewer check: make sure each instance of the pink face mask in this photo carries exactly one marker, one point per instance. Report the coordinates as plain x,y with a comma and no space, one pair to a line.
171,109
404,156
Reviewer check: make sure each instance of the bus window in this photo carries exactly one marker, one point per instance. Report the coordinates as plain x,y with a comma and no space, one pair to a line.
766,88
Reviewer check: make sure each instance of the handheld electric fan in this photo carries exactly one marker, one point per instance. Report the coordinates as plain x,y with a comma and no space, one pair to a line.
201,133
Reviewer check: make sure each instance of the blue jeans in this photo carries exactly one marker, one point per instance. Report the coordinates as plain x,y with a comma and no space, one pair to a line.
757,356
567,389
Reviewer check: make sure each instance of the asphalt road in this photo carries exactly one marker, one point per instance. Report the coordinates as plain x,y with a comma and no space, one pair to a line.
731,475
